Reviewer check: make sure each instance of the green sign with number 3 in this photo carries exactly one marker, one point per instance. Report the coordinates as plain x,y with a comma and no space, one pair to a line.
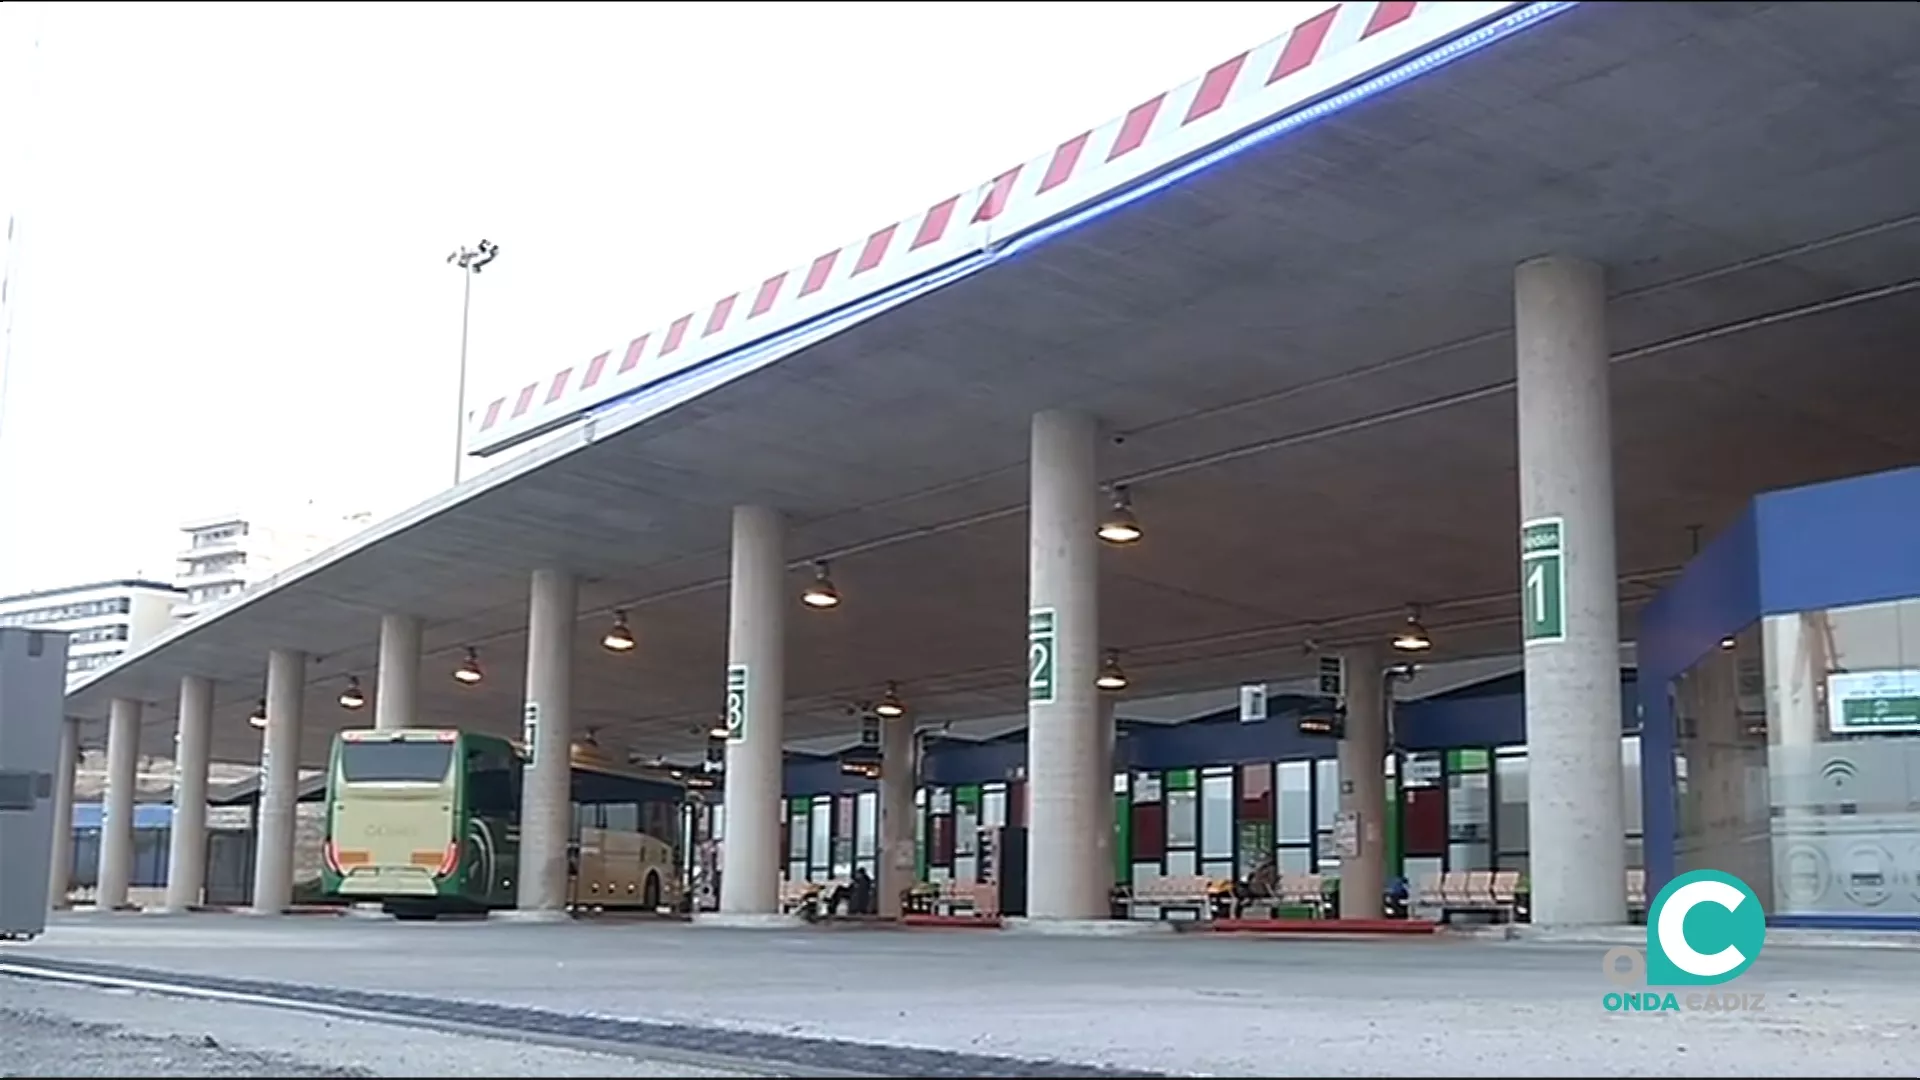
736,703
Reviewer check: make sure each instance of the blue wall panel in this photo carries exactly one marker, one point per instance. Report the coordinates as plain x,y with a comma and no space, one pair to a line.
1487,714
145,815
1846,542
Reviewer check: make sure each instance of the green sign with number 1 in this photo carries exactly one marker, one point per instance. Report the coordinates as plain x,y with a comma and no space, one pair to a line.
1543,581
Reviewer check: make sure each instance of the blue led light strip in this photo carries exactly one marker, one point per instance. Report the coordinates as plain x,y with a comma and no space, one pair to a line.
654,398
1502,27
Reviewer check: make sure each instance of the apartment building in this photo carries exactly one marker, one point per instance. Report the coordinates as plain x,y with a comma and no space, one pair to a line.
102,619
226,554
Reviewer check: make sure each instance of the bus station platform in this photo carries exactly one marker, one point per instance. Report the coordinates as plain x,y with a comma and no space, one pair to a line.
900,1003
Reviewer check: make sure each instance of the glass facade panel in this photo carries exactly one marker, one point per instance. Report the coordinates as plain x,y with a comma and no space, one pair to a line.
1295,809
1842,752
1510,814
1798,761
1182,824
1469,799
819,865
1216,817
1720,749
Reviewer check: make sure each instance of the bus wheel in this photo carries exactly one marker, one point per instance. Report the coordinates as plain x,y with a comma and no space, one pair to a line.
650,892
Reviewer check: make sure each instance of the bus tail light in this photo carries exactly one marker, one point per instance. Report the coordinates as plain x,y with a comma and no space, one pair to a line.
444,862
341,860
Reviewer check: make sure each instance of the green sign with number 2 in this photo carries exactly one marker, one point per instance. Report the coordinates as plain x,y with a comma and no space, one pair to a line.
1041,635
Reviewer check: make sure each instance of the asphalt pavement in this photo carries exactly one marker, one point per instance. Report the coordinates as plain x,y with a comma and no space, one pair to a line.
50,1030
982,1004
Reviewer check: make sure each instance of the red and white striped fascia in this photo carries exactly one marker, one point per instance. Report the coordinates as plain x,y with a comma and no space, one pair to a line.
1326,51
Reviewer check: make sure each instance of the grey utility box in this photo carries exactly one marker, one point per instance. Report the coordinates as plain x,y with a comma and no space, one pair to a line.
33,684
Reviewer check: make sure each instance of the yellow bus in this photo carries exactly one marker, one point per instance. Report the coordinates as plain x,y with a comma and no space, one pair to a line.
427,821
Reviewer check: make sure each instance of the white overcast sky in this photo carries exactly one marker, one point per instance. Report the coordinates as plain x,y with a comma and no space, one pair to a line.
229,287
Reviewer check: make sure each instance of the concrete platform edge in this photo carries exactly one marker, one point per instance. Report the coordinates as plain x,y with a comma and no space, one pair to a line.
715,920
1088,927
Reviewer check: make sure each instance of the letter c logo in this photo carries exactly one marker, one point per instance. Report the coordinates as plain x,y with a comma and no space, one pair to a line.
1673,933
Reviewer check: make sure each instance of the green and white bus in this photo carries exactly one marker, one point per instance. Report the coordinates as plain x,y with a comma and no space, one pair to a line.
427,821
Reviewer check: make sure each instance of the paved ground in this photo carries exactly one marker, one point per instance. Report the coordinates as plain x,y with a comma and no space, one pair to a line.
1190,1004
57,1031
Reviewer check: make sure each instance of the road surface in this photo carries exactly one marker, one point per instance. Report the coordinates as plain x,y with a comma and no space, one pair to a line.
58,1031
906,1003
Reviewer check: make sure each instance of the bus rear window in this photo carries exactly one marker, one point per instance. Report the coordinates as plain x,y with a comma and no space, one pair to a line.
395,762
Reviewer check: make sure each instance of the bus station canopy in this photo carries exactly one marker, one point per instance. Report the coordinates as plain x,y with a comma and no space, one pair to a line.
1304,357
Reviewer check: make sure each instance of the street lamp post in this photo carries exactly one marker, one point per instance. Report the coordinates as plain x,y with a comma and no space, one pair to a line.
470,261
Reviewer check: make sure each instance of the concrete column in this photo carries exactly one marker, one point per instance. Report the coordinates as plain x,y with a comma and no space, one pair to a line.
1575,816
546,802
1363,786
60,875
116,822
897,772
1069,733
756,657
396,695
279,782
192,749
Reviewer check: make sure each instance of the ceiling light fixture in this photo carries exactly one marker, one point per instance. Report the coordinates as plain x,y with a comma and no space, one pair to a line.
469,670
820,593
351,697
1413,637
1120,526
1112,676
890,706
258,718
619,638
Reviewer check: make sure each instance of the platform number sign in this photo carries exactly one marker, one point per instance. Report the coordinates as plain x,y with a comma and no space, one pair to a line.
1253,703
736,703
1543,581
1042,661
1333,677
530,730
